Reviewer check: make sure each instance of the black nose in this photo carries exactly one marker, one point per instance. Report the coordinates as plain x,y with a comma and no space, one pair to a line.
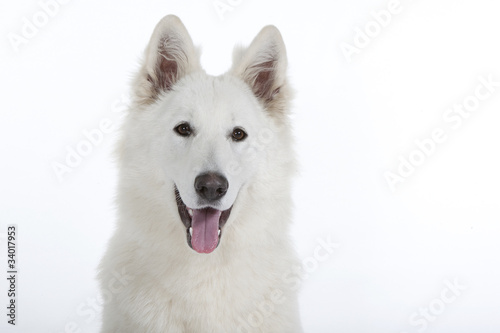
211,186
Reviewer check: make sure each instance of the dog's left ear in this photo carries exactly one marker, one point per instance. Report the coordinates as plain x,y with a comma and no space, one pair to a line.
169,56
263,67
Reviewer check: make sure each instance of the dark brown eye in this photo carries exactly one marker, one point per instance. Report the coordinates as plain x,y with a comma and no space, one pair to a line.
183,129
238,134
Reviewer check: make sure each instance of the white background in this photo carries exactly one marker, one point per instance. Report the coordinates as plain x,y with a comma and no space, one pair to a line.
353,120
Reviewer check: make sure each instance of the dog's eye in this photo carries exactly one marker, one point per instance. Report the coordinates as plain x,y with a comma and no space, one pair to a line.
183,129
238,134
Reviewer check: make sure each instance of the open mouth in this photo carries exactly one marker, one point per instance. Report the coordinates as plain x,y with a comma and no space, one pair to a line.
203,226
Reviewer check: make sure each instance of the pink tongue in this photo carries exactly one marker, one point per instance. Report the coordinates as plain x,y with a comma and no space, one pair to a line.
205,224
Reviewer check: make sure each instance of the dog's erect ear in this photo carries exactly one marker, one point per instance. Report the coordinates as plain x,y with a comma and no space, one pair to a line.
169,56
263,66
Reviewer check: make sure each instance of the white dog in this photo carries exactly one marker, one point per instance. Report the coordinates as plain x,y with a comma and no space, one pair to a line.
204,195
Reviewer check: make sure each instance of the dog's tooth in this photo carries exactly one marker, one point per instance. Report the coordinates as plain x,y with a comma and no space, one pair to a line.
190,211
218,231
191,231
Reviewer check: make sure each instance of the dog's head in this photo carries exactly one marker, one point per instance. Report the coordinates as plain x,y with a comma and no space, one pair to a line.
205,137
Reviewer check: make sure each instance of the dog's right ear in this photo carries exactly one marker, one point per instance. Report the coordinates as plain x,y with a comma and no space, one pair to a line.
169,56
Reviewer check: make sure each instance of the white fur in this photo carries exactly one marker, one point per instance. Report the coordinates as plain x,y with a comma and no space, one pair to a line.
170,287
